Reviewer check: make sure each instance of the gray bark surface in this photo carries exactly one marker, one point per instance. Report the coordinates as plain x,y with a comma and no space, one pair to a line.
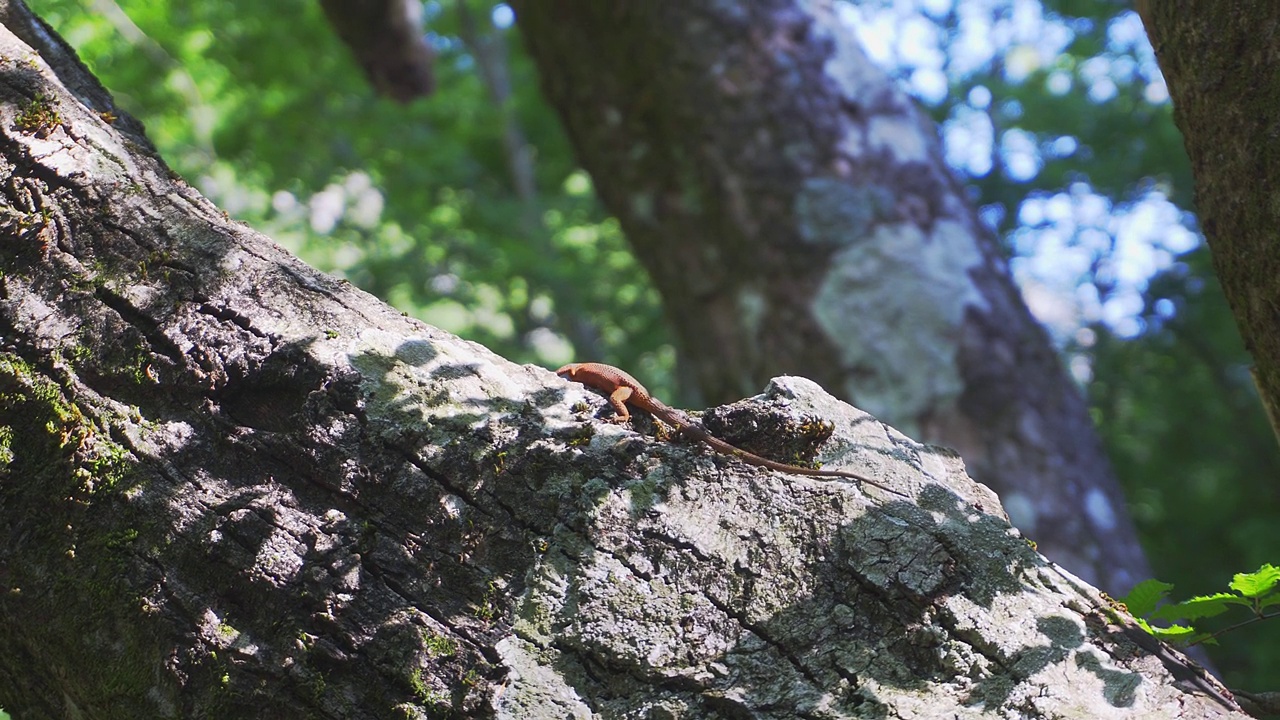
793,207
233,487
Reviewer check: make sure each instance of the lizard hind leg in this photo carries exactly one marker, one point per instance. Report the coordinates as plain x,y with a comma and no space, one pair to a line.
618,401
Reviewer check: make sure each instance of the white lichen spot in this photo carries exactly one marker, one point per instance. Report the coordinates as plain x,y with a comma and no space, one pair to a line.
934,467
453,506
852,144
848,66
899,135
751,307
350,580
894,305
1100,510
534,687
279,558
1022,512
231,263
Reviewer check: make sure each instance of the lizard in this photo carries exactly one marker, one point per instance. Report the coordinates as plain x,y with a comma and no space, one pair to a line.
623,390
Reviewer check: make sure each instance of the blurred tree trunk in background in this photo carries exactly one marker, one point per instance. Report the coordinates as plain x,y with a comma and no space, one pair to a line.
794,209
1225,87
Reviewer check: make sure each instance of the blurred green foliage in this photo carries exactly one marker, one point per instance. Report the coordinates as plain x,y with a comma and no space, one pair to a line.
260,107
1182,422
1174,402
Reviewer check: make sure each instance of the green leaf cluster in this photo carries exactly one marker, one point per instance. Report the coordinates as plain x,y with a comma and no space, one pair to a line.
1252,592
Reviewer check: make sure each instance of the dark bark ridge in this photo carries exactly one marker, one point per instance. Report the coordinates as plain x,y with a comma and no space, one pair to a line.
231,486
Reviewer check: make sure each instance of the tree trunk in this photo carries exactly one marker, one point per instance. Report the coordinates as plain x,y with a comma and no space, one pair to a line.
1224,89
794,210
233,487
387,40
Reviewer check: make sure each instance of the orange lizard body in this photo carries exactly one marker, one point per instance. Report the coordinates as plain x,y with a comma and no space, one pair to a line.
623,390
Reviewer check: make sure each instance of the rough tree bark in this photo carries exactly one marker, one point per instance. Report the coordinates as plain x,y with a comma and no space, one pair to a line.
794,209
1220,64
233,487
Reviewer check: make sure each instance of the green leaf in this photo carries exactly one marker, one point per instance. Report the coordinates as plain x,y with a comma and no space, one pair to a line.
1253,585
1202,606
1175,634
1142,599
